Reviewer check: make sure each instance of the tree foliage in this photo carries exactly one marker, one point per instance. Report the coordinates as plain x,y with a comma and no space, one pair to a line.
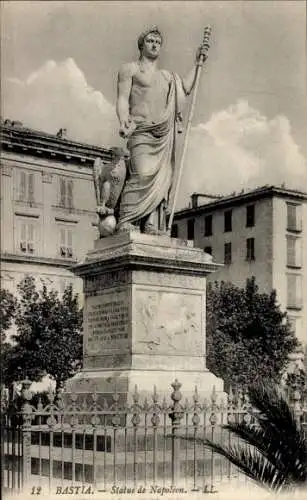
248,336
7,311
48,338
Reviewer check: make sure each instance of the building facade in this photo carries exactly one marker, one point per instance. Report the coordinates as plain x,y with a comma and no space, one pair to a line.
261,233
48,218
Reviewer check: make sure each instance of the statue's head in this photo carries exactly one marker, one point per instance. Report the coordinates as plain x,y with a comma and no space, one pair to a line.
152,36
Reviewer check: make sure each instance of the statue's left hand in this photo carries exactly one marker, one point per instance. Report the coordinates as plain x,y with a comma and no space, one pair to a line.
202,53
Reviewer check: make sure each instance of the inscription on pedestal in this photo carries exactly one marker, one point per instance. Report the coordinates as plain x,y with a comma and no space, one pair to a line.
106,322
94,285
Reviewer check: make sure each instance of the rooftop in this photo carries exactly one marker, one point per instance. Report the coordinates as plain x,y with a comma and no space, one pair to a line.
17,138
240,198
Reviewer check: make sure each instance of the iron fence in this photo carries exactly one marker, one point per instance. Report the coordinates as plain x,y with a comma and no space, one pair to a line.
119,447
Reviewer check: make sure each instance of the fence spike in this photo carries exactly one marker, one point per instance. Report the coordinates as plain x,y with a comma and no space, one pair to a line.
135,395
230,395
213,395
50,393
39,403
196,395
176,395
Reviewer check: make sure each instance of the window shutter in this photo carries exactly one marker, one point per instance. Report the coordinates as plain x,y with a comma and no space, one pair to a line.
62,192
70,194
69,237
30,237
291,251
291,216
30,187
22,186
291,295
23,237
62,236
294,290
69,242
62,242
23,232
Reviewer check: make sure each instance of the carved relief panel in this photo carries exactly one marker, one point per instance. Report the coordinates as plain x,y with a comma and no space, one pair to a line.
168,322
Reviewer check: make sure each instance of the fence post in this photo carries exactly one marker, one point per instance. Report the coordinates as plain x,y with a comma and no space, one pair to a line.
26,431
176,416
213,422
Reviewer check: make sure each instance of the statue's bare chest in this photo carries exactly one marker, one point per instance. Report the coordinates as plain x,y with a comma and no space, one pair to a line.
146,80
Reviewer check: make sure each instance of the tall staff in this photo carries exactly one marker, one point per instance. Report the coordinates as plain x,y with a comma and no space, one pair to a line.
206,39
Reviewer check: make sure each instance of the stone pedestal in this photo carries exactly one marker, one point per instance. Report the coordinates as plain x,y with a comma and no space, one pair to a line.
144,317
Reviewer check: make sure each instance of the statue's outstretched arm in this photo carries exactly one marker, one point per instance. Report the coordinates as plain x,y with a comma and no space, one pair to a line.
189,80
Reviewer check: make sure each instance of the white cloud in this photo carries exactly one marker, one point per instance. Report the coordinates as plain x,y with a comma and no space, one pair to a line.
239,148
57,95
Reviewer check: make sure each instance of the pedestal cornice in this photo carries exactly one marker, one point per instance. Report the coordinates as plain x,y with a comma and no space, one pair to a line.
147,252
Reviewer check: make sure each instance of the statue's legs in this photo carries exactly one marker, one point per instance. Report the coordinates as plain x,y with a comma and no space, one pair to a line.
155,222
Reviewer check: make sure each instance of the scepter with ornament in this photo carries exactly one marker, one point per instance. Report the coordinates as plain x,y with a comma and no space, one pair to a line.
200,62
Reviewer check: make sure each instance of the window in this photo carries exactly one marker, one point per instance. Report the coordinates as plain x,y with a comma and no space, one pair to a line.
82,441
294,217
66,247
208,225
227,253
83,471
26,186
36,465
208,250
294,291
250,215
250,249
66,193
174,231
228,221
26,240
190,223
67,470
294,251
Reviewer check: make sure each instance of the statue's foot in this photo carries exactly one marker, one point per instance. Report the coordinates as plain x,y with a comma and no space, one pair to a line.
127,227
151,229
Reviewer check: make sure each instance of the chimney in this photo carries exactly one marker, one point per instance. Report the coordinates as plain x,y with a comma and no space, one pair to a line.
205,198
194,199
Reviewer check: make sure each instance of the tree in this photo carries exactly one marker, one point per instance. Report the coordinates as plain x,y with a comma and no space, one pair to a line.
48,338
274,451
248,336
7,311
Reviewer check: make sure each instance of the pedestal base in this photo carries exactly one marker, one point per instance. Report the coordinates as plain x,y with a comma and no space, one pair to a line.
124,383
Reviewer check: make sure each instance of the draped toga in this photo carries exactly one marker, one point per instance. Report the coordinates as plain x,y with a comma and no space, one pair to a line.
152,160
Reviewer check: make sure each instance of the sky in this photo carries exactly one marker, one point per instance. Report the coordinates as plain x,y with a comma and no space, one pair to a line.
60,63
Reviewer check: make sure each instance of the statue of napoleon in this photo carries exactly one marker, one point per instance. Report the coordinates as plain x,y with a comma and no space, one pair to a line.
149,109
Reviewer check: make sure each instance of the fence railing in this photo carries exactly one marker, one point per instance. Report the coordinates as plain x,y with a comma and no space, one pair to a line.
155,444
